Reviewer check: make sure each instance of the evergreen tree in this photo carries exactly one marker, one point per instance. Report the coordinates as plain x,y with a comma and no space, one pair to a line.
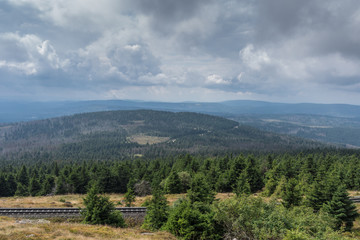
4,189
242,185
129,197
252,174
48,185
34,186
11,184
291,196
157,211
21,190
342,209
173,183
99,210
23,176
200,191
316,196
193,221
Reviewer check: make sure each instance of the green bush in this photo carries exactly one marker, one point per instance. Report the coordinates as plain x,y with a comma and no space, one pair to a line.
99,210
249,217
193,221
157,211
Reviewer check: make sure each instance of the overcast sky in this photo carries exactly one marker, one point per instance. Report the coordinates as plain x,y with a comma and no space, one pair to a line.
181,50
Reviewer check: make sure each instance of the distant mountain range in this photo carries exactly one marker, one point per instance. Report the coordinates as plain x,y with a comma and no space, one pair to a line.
335,123
27,111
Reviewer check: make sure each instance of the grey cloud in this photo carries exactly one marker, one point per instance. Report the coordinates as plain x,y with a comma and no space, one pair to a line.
281,47
331,26
166,14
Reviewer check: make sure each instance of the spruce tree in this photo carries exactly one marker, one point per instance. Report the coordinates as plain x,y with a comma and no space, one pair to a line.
316,196
253,175
157,211
11,184
21,190
342,209
291,196
200,191
242,185
99,210
34,186
4,189
23,176
173,183
129,197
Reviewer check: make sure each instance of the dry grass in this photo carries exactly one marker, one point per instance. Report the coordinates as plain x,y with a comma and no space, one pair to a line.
11,230
354,193
76,200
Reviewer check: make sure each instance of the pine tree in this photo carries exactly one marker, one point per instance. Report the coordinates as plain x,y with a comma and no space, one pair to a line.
316,196
4,190
11,184
23,176
291,196
21,190
342,209
200,191
157,211
173,183
48,185
129,197
99,210
253,175
62,187
34,186
242,185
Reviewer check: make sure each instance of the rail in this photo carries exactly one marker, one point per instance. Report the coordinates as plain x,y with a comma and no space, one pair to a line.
64,212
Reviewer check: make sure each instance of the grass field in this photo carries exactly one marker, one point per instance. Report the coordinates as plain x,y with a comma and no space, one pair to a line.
12,229
76,200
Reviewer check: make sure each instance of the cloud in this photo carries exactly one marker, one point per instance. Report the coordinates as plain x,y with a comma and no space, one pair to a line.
273,50
216,79
33,55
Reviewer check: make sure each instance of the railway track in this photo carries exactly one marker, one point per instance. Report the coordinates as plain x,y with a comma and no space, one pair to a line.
137,212
64,212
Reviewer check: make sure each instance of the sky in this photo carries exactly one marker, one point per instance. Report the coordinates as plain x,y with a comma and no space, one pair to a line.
175,51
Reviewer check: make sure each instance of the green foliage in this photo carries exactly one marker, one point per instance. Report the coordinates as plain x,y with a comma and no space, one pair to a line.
342,209
99,210
200,191
129,197
34,186
193,221
291,196
21,190
242,185
173,183
157,211
105,135
23,176
251,218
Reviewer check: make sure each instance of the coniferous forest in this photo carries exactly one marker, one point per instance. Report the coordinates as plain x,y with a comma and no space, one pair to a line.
306,192
284,187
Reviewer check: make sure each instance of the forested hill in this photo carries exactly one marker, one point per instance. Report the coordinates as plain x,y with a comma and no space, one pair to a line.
124,134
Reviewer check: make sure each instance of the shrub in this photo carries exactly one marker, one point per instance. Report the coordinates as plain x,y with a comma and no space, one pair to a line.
99,210
157,211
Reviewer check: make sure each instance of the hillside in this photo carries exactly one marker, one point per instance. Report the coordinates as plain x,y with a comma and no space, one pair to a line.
329,123
123,134
320,128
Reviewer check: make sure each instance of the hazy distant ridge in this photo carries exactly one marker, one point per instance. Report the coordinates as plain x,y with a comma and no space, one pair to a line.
26,111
